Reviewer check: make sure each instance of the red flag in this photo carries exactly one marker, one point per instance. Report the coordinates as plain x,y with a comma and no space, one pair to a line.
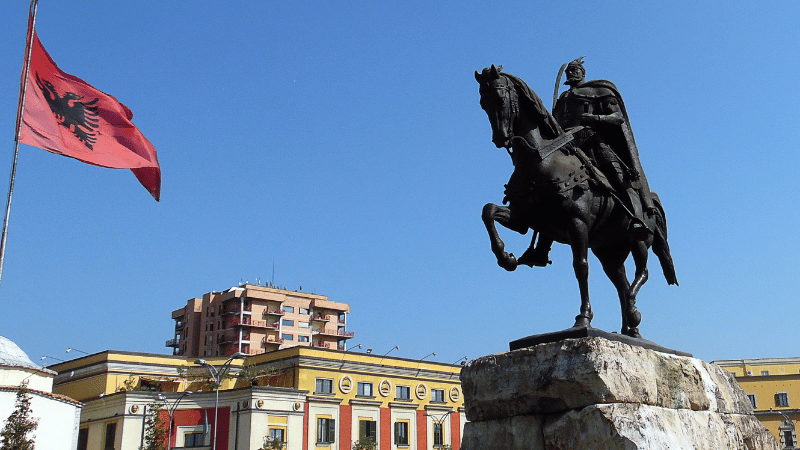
66,115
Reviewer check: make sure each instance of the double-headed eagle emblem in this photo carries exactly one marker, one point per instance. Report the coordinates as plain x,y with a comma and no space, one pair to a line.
78,116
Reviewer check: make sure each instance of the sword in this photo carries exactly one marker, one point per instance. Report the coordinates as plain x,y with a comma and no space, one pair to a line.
558,85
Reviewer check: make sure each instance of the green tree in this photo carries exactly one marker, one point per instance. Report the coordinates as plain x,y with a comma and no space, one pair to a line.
19,424
366,444
272,444
155,434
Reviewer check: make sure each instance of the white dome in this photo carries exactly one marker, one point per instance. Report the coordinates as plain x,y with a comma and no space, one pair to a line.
12,355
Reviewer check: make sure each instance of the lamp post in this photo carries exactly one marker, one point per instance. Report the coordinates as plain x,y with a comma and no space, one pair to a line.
357,345
429,354
217,376
396,347
75,349
171,410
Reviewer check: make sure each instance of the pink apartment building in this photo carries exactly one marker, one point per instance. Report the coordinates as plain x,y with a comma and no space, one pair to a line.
255,319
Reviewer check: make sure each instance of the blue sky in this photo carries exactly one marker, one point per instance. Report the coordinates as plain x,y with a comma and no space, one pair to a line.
343,144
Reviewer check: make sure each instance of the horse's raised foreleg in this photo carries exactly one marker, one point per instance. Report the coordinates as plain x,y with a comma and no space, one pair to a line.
493,213
579,241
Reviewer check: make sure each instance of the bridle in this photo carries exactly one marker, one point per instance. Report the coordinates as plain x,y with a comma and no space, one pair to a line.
510,101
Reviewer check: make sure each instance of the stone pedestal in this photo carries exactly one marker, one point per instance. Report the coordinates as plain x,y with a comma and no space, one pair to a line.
593,393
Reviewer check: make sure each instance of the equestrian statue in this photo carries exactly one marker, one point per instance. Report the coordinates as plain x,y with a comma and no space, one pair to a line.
577,180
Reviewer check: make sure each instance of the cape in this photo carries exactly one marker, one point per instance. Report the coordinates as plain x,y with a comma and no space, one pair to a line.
624,139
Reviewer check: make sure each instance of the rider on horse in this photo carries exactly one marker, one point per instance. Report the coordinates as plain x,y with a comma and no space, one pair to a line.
597,105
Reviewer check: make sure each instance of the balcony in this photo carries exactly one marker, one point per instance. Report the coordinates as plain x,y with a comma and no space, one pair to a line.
320,318
322,344
274,312
249,322
236,310
341,334
270,341
175,342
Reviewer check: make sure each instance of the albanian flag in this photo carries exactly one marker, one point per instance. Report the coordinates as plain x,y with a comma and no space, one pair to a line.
66,115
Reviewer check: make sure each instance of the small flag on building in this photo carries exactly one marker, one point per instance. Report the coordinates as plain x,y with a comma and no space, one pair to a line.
65,115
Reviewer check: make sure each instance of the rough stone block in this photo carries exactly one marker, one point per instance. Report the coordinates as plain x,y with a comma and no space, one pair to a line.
643,427
576,373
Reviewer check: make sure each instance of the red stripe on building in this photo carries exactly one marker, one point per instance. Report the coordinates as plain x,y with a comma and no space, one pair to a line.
386,428
305,426
197,417
455,430
345,426
422,430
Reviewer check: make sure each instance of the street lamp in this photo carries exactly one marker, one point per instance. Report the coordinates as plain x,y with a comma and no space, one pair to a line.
429,354
396,347
217,376
357,345
171,411
75,349
51,357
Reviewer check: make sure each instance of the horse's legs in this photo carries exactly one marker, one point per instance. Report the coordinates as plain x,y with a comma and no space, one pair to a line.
579,241
639,252
506,218
614,267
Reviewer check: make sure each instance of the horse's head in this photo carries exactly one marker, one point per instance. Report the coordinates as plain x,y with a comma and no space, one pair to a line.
499,100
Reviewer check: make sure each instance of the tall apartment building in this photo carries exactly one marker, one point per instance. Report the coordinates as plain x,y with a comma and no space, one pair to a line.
256,319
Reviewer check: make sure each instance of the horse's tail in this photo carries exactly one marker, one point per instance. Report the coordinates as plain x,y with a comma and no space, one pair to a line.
660,244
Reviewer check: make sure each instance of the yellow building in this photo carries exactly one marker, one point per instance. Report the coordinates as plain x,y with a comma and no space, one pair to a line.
310,398
773,387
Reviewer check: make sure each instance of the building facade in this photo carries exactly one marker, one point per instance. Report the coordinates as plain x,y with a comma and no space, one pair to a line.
57,415
773,388
256,319
308,397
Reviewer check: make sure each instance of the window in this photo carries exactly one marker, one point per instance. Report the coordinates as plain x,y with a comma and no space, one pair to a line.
401,433
289,309
438,435
303,324
764,373
324,386
403,393
752,398
83,439
437,395
326,430
111,432
304,311
365,390
782,399
193,439
367,429
288,337
302,338
287,323
277,433
788,439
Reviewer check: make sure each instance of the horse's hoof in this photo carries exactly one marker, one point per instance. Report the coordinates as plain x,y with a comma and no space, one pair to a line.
582,322
508,262
632,332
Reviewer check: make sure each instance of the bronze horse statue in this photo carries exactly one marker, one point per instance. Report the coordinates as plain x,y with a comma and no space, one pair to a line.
553,192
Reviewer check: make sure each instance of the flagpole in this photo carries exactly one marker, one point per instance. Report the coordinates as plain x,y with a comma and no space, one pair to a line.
26,66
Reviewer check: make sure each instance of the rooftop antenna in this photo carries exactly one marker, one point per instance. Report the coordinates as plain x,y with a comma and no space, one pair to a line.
273,272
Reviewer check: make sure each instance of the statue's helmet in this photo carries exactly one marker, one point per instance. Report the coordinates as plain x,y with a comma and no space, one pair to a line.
575,71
